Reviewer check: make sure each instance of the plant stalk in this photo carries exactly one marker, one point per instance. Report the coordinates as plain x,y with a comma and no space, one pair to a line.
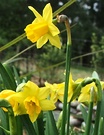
64,18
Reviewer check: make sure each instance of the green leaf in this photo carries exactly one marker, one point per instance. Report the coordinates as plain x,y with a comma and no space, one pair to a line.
84,112
16,75
12,42
19,125
6,131
101,125
6,78
51,128
40,124
9,70
28,125
3,122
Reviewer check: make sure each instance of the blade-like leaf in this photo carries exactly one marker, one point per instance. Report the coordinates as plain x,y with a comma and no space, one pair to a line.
84,112
9,70
6,78
28,125
51,128
3,122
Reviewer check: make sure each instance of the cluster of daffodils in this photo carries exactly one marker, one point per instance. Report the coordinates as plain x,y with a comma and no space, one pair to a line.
30,99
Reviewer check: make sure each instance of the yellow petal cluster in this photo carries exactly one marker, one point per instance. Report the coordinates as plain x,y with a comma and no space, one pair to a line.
42,28
30,100
57,90
85,93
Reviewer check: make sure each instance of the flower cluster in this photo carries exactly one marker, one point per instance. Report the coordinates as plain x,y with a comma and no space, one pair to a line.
30,99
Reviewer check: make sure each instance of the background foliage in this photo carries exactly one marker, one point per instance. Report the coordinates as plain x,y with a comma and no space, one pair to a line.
85,15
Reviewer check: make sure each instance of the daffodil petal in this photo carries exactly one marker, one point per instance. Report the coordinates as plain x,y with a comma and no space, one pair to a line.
41,41
47,105
31,88
39,17
6,93
84,98
47,13
53,29
33,117
55,41
43,93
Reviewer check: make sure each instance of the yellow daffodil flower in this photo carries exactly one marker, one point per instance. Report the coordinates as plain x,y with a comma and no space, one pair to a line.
42,29
31,100
71,88
56,91
85,93
5,94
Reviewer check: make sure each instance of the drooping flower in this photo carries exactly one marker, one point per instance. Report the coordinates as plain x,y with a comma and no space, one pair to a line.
85,93
31,100
56,91
42,29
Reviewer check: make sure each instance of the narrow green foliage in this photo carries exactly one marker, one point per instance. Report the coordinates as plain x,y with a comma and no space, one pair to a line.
16,75
51,128
40,124
89,116
8,83
28,125
101,125
3,122
9,70
13,42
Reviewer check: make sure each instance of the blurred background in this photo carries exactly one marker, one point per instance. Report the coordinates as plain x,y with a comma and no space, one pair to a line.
47,64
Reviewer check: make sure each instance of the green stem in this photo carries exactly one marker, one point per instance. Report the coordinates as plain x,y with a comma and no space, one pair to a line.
89,117
12,124
64,116
99,97
68,118
97,120
101,125
63,18
19,38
